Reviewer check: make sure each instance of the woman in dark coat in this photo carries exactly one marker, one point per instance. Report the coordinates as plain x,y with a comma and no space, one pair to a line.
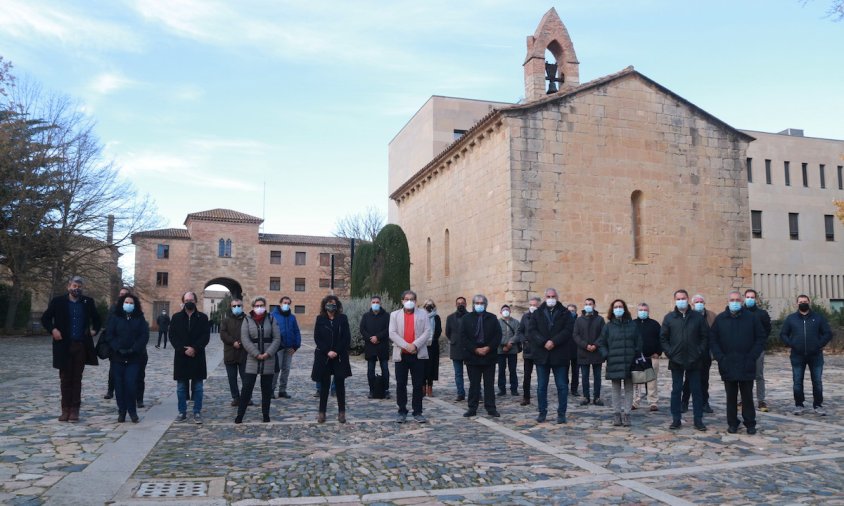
331,356
620,343
127,333
432,366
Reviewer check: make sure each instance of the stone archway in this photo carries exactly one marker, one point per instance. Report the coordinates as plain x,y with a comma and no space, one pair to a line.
231,285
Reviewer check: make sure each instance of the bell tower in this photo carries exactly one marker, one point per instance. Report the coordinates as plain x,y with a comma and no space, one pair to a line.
562,73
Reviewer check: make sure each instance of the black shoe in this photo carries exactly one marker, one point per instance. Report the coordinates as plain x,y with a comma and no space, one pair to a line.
494,414
460,398
140,404
109,395
585,401
387,395
266,419
121,417
707,408
514,393
134,418
751,430
502,393
675,425
574,393
470,413
284,395
525,401
700,427
239,419
157,347
732,430
540,418
561,420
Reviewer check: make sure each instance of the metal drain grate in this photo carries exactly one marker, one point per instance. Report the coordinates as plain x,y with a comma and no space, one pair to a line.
173,489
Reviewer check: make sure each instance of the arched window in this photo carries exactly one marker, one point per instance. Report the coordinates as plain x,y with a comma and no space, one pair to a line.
221,250
447,253
636,224
228,247
428,261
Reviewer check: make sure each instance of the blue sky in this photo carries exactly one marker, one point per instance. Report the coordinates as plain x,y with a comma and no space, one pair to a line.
201,102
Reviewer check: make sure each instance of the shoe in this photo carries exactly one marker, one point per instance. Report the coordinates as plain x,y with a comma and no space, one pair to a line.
460,398
401,418
684,407
265,419
73,415
585,401
525,401
272,396
625,419
561,419
238,419
616,420
121,417
320,418
108,395
820,411
420,418
430,391
341,417
316,394
675,425
181,417
370,396
501,393
707,408
763,406
700,427
598,401
157,347
387,395
654,407
140,404
494,414
65,414
234,402
634,407
540,418
197,418
733,430
283,395
134,418
470,413
751,430
798,410
514,393
574,393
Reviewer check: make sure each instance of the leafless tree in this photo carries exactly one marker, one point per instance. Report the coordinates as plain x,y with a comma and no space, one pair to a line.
364,225
835,10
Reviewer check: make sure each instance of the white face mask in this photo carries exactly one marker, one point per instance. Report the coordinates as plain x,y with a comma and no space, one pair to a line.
551,302
409,304
532,309
260,310
505,313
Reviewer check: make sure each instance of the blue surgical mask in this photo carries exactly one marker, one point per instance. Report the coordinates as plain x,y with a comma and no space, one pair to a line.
128,308
376,307
479,308
618,312
643,315
588,309
285,307
735,306
699,307
749,302
682,305
237,311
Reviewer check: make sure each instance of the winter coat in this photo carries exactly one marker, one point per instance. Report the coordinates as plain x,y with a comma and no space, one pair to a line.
127,336
509,334
288,328
57,316
737,340
587,330
469,342
452,332
436,325
521,335
229,334
378,325
649,330
258,338
331,335
421,329
193,331
684,339
807,334
163,322
764,318
620,343
555,326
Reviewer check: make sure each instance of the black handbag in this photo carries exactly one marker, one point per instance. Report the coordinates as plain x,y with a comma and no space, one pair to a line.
103,347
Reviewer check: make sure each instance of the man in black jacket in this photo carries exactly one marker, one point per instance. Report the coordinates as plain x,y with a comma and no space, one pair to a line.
527,348
455,352
73,322
651,347
190,333
480,337
750,304
550,336
375,329
163,322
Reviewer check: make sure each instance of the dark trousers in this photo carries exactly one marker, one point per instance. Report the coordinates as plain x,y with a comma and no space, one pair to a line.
508,362
528,372
70,376
574,381
232,371
110,384
704,382
596,378
246,393
339,388
748,411
385,371
141,380
162,335
416,367
798,372
476,374
693,378
126,386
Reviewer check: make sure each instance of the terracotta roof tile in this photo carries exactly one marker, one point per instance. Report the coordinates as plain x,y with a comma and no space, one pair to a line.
305,240
163,233
224,215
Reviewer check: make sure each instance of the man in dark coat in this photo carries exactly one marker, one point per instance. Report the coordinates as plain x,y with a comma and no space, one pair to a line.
163,322
685,340
736,339
652,348
527,348
73,322
750,304
375,329
550,337
480,337
455,352
190,333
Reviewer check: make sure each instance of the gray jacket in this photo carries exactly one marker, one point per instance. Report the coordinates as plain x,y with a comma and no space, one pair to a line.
509,334
257,339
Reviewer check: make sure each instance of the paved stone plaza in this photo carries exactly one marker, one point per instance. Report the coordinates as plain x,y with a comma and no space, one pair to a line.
372,460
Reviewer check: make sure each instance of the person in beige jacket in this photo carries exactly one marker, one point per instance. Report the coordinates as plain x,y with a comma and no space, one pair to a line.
410,333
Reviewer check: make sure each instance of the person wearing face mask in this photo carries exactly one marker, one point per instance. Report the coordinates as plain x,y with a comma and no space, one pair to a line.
508,352
551,341
73,321
652,348
455,352
375,329
234,356
128,334
574,370
806,333
261,340
751,305
331,356
527,347
410,333
620,343
587,330
480,337
736,339
291,341
432,366
163,322
699,305
684,337
190,333
111,311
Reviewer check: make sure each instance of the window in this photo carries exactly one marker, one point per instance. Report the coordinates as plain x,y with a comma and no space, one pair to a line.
756,223
325,259
324,283
822,171
163,251
768,171
300,258
161,279
275,257
829,226
636,223
793,230
459,133
224,248
787,169
275,284
228,247
841,177
299,285
340,283
447,253
750,170
805,168
299,309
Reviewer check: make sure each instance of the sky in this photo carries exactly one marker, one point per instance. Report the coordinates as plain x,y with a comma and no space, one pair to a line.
283,109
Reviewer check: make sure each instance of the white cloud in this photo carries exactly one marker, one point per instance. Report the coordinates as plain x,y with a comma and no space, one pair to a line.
109,82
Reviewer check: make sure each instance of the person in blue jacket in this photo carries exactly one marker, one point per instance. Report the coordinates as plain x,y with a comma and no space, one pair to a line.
291,341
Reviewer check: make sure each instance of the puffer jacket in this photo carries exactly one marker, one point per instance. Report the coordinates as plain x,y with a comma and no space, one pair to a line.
685,339
620,343
128,336
807,334
587,330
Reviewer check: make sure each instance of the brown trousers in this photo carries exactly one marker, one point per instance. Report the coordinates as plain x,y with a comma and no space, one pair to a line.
71,376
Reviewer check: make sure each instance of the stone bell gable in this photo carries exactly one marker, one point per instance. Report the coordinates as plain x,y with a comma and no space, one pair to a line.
552,36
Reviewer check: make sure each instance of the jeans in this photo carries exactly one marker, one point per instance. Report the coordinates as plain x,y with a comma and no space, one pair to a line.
508,362
561,380
458,377
693,378
596,377
798,371
704,381
195,395
383,362
125,386
284,360
476,374
246,393
70,376
621,402
748,411
232,371
527,373
760,377
416,367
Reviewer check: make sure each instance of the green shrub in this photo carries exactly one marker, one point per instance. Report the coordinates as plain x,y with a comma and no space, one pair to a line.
391,267
362,270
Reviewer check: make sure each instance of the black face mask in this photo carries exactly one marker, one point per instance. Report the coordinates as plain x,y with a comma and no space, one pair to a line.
461,309
190,306
331,307
76,292
803,306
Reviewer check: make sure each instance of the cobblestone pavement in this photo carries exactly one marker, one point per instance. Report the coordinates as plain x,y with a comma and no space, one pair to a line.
450,460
